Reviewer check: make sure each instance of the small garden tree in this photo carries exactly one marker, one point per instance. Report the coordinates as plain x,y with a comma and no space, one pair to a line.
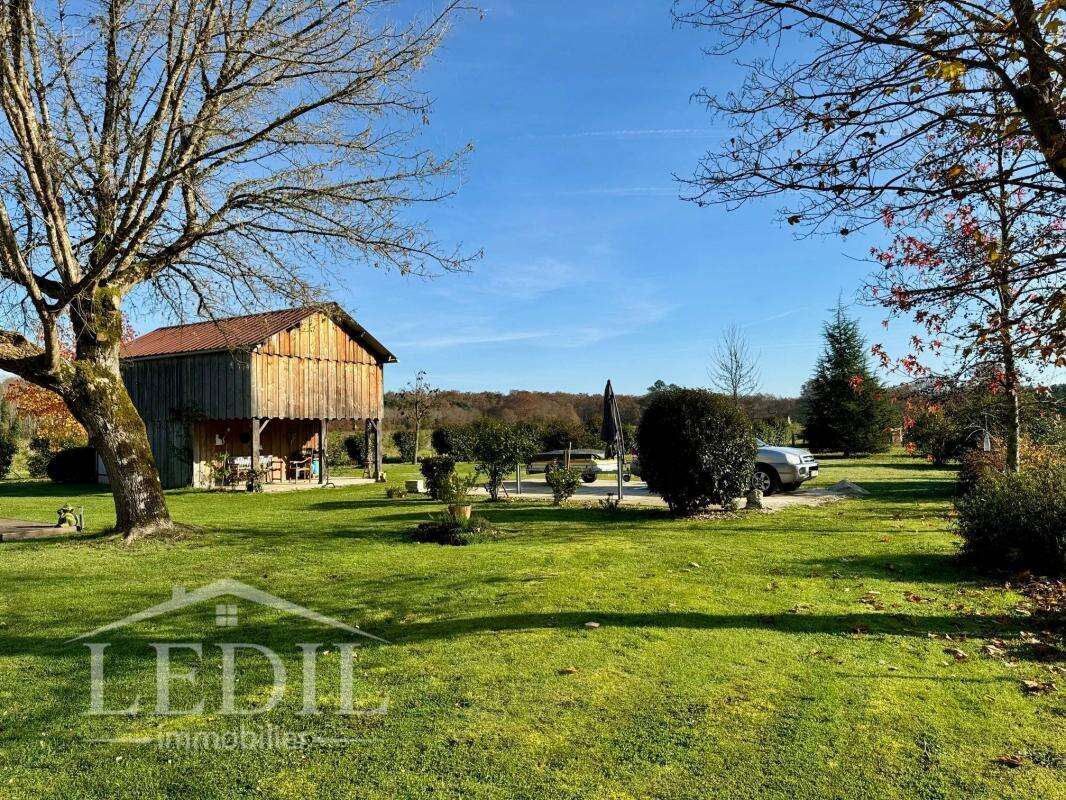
846,406
696,448
497,447
415,405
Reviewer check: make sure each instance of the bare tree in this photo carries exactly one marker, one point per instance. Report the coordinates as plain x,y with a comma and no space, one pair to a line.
196,154
872,108
734,368
415,404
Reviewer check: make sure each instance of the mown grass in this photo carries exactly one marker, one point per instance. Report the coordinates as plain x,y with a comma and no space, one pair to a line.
738,656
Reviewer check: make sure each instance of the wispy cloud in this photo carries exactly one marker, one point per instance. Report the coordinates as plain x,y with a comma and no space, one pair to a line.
465,339
791,312
534,277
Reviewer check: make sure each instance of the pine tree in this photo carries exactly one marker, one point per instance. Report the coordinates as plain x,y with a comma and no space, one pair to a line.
846,405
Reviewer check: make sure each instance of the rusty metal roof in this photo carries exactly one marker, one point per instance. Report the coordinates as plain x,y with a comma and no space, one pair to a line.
234,333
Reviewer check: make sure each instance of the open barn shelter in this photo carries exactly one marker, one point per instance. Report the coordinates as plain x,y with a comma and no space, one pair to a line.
256,389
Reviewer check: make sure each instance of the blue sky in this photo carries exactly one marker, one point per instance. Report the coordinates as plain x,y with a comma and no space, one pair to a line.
580,115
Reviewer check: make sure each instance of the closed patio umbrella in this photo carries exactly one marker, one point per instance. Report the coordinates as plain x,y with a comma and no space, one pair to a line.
611,430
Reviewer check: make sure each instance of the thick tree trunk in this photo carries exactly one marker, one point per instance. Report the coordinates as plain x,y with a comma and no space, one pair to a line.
99,401
97,397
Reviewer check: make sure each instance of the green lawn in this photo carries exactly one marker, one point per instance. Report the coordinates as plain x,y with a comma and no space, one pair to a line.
738,657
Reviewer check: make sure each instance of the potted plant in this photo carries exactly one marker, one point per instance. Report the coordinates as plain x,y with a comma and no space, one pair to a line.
455,493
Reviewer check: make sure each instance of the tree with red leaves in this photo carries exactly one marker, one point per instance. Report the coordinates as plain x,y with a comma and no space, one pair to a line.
984,280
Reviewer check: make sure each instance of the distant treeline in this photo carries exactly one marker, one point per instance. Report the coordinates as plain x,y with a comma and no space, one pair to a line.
458,408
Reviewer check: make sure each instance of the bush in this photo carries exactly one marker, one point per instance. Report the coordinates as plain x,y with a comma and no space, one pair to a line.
38,457
73,465
405,443
454,441
442,529
934,434
563,482
455,489
775,430
1016,521
556,434
696,448
355,449
336,455
977,464
436,469
9,446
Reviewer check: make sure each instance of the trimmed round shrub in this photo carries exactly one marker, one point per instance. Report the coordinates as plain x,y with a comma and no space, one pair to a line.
696,449
1015,521
435,469
73,465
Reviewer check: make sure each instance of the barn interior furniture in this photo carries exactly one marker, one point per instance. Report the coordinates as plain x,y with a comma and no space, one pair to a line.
261,386
300,468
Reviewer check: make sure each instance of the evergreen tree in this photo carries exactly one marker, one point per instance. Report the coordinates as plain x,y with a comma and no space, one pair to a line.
846,405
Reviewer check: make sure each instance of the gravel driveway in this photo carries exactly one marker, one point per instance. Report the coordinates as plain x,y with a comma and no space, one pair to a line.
636,493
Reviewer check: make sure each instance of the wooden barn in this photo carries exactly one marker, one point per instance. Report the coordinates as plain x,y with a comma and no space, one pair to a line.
219,397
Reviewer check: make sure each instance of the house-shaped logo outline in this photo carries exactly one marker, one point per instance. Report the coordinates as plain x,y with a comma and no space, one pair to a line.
181,598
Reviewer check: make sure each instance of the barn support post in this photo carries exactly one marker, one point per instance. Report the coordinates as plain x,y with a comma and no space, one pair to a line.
378,455
322,460
253,463
367,426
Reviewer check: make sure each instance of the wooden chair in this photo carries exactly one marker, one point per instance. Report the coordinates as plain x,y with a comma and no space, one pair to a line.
300,468
275,470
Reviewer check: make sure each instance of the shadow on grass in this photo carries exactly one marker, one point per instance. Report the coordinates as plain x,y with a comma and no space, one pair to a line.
929,489
43,488
857,625
930,567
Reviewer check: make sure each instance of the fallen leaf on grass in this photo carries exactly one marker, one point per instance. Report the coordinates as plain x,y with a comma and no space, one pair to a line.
957,653
1008,760
1038,687
992,651
568,670
592,624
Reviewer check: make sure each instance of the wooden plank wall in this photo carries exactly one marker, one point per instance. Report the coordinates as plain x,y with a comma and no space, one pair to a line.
315,371
172,450
208,385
